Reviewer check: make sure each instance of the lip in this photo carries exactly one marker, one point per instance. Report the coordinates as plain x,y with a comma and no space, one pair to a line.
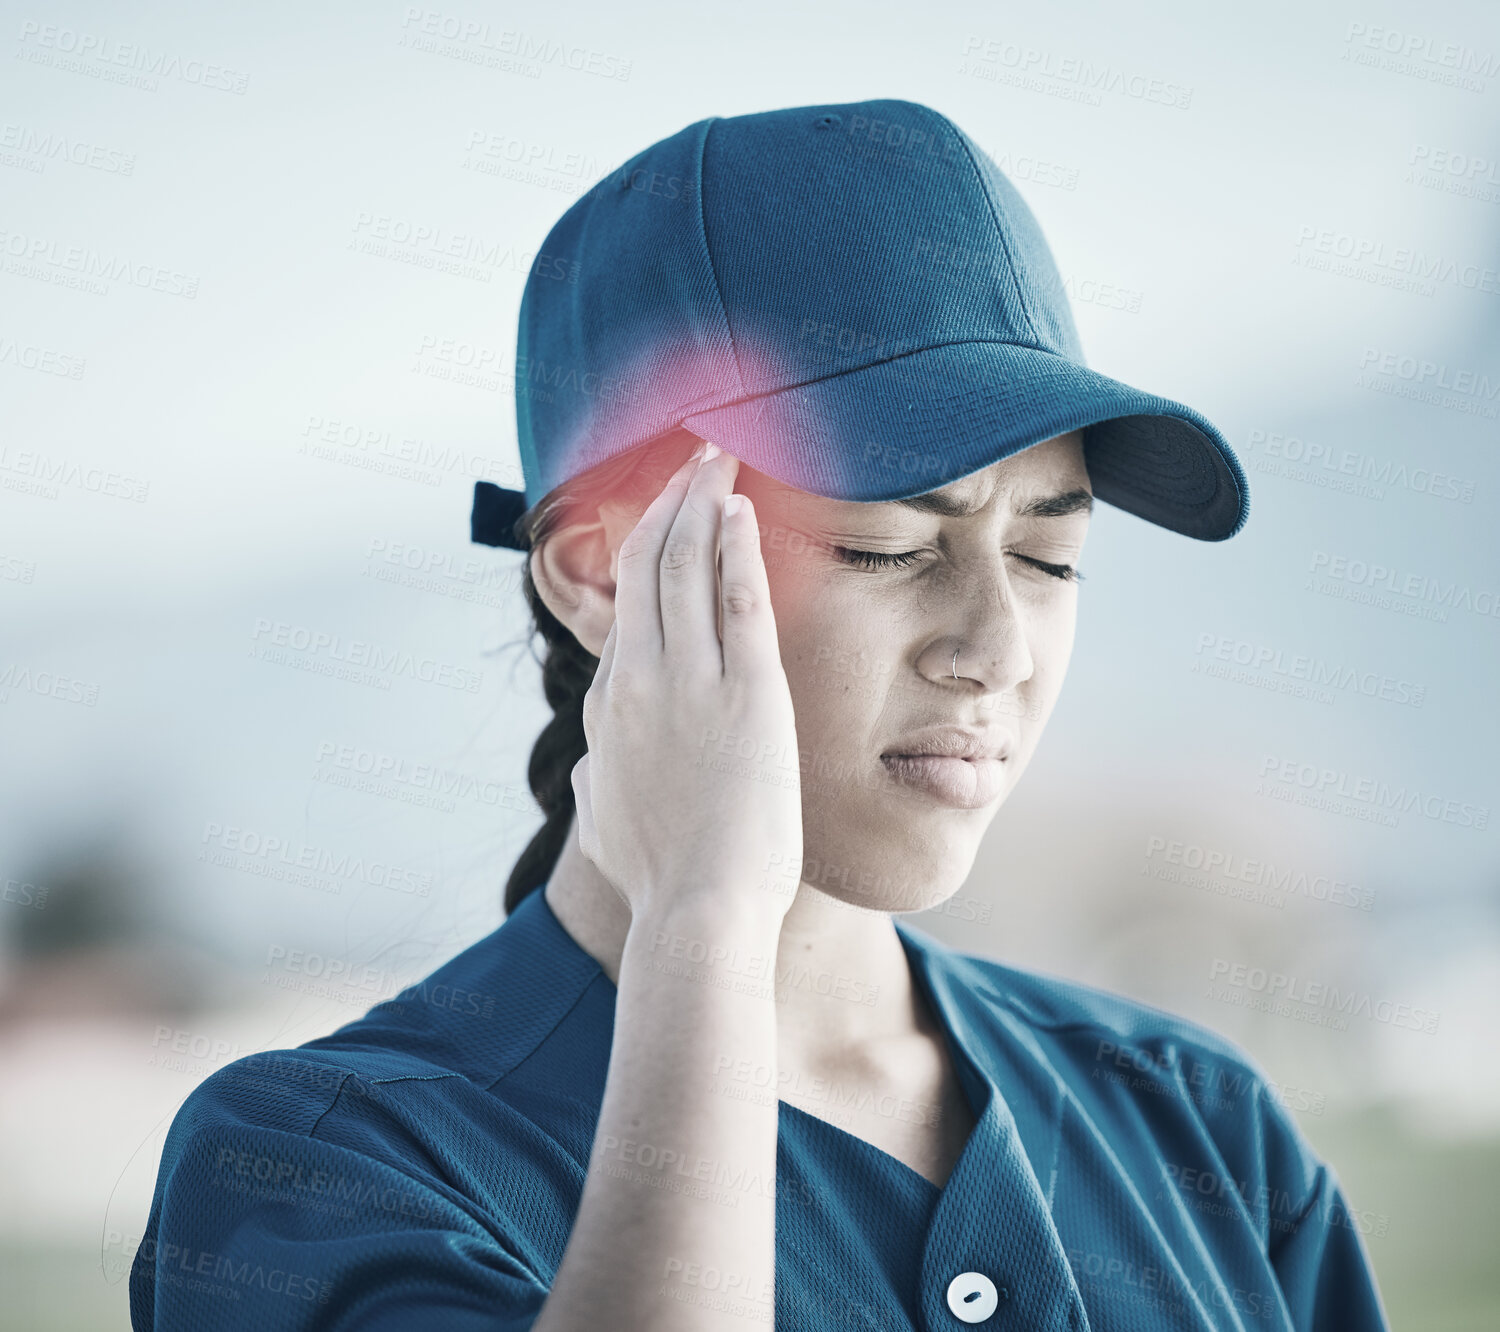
961,767
960,742
960,782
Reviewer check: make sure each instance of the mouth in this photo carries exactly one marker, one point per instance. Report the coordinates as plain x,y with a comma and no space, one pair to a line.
963,783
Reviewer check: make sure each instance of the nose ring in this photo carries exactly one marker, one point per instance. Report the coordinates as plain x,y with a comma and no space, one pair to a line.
955,663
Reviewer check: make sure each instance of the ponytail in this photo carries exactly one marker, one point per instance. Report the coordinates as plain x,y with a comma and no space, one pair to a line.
567,671
568,667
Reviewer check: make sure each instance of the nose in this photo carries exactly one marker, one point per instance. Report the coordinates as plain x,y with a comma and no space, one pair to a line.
982,619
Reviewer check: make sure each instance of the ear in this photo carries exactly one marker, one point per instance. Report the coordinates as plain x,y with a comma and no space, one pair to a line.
574,570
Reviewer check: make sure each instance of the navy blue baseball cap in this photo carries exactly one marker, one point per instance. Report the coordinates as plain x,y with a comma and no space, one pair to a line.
850,298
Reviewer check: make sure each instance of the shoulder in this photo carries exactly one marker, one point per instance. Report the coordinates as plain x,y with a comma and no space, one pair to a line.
1132,1068
349,1179
436,1055
284,1090
1071,1008
1062,1008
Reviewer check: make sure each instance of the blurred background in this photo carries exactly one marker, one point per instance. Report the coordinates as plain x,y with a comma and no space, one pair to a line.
259,277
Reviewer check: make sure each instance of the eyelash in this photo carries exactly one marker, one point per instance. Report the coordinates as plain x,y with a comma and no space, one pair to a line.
873,559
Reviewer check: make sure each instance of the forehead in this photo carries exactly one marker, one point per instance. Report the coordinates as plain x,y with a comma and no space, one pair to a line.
1028,484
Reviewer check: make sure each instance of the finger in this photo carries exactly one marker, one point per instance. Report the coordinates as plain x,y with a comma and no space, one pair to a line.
689,565
607,652
588,835
748,624
593,696
637,588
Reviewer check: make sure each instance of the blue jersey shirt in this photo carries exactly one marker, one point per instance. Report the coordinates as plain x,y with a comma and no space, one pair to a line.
422,1166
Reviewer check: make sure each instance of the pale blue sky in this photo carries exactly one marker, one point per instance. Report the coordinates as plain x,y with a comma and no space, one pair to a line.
1288,147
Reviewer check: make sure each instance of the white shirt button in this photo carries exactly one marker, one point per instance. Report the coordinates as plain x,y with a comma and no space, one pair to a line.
972,1297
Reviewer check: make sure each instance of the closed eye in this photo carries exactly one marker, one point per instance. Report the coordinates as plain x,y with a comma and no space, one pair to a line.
874,559
1066,572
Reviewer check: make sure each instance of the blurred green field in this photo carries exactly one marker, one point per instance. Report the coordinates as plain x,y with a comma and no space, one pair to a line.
1438,1264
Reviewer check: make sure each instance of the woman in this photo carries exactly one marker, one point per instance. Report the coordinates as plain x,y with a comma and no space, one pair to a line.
702,1074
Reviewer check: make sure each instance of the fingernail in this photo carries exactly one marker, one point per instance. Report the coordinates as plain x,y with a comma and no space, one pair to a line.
733,504
710,452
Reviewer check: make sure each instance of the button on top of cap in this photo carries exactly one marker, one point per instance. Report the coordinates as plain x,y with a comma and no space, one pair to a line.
972,1297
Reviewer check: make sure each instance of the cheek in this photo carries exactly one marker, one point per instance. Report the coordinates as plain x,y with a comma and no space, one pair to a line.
1049,620
1050,639
837,647
1054,633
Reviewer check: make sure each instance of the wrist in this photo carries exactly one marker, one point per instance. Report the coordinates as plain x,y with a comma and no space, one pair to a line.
704,924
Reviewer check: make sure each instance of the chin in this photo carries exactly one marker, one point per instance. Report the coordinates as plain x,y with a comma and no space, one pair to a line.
895,903
919,873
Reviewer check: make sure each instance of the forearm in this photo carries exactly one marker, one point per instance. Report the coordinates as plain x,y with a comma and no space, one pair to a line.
682,1177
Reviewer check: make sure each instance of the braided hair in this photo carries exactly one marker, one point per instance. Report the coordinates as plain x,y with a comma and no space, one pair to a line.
568,667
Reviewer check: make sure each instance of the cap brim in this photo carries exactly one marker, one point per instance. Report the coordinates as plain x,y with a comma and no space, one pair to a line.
921,421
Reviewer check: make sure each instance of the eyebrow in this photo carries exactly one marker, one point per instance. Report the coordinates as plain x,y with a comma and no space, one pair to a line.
1040,506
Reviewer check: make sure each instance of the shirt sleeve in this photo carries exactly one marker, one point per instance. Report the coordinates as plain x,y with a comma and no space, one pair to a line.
256,1228
1322,1266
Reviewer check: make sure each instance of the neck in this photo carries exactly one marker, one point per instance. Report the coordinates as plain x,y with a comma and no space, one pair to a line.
842,978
